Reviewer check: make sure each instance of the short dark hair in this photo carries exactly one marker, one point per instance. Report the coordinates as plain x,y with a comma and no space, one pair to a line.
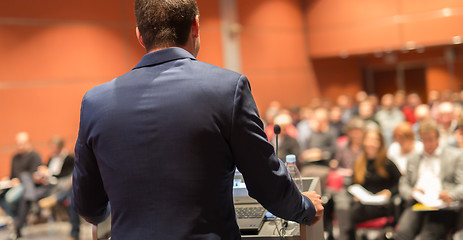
165,23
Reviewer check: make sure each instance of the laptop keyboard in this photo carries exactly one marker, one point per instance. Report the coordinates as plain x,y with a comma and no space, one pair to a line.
250,212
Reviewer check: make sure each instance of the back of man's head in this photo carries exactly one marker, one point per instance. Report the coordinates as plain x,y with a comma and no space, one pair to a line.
165,23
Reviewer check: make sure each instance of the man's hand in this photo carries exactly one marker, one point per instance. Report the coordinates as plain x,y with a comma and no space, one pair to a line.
15,182
384,192
317,202
419,190
444,195
43,170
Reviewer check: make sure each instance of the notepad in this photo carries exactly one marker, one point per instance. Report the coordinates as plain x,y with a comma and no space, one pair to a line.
366,197
431,202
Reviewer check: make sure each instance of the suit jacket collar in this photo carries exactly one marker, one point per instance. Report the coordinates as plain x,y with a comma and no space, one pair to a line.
162,56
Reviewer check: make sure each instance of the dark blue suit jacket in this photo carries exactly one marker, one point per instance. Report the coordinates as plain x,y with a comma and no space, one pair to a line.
161,143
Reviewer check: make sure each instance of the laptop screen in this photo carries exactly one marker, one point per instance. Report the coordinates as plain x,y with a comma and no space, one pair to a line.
239,187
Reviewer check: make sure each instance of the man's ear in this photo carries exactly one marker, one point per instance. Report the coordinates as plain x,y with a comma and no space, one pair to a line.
139,37
195,27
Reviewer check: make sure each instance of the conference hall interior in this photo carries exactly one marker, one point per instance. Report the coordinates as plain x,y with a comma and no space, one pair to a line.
358,88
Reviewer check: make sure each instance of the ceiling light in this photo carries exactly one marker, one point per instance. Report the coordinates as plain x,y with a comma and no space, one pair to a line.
447,12
456,40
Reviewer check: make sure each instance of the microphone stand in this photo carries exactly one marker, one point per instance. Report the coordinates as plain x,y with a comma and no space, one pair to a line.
277,131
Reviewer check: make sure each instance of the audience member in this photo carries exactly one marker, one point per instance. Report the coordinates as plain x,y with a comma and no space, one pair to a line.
316,103
272,111
404,146
321,145
336,121
422,113
319,148
460,96
433,103
374,102
456,98
438,175
303,127
413,100
326,104
295,112
366,112
345,102
446,96
388,117
459,133
60,167
269,130
399,99
360,97
24,168
348,153
377,174
286,143
343,164
447,124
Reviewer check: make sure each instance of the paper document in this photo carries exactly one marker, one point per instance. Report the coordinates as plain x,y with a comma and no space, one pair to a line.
5,184
366,197
432,200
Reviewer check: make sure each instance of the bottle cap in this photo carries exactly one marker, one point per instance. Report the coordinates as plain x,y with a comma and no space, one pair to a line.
291,158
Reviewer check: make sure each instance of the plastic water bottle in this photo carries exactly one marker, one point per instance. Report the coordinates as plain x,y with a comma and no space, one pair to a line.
293,171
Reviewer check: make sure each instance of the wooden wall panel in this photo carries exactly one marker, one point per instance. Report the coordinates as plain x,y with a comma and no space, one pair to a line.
433,31
274,52
362,26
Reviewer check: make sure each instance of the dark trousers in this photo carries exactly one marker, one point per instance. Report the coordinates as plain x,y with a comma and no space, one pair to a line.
430,225
32,193
64,198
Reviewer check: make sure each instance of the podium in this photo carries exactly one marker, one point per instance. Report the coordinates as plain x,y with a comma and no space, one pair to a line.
293,231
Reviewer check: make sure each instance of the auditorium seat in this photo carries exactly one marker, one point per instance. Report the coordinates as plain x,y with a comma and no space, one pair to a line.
375,228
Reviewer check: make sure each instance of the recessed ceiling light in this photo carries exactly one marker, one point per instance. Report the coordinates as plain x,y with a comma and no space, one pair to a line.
447,12
456,40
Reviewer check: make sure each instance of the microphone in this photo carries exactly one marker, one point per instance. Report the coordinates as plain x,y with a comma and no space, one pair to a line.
276,130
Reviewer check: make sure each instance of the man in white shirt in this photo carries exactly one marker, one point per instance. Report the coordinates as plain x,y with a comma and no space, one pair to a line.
433,178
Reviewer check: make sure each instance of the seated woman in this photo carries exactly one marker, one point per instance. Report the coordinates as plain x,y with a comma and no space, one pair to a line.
377,174
403,146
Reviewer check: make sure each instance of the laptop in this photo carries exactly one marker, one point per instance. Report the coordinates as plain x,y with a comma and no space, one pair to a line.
250,214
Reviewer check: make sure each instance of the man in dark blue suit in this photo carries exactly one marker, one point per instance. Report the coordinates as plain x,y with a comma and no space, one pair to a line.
161,142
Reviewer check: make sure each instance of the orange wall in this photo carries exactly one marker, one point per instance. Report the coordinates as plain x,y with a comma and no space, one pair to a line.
336,76
274,55
363,26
